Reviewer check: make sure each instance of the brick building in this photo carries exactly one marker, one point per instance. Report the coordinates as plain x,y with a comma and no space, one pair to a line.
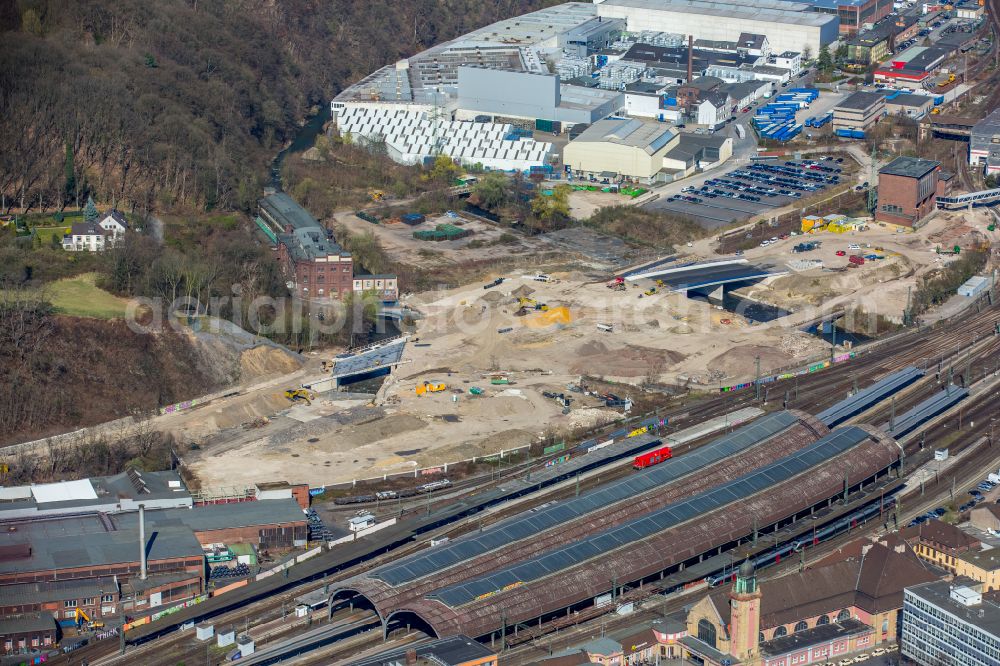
26,632
940,543
90,562
312,261
847,602
908,188
316,266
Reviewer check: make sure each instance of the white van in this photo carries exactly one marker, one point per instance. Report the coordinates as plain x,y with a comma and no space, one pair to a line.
541,277
607,328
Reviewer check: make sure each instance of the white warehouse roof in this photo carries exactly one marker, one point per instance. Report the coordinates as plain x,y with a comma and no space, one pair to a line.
64,491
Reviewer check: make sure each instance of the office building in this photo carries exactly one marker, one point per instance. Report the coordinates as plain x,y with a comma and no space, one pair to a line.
947,624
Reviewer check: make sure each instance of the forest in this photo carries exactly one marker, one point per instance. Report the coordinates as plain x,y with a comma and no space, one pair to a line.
181,104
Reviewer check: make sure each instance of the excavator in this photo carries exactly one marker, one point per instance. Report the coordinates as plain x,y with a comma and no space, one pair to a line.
618,284
376,195
81,617
427,387
532,303
296,395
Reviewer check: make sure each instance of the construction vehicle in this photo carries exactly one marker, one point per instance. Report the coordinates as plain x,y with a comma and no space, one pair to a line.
427,387
618,284
376,195
531,303
650,291
81,617
499,379
303,395
660,284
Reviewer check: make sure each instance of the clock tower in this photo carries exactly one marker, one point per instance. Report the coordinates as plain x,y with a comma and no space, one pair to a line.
744,604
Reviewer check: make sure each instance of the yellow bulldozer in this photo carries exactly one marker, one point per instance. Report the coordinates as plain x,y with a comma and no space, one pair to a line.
428,387
300,395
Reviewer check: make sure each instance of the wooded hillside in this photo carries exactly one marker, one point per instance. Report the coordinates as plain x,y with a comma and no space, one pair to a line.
152,105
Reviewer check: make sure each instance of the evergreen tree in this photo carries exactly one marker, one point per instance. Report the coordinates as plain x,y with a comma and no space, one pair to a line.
90,213
825,60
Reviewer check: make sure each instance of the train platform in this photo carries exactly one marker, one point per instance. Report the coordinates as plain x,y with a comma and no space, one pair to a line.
865,399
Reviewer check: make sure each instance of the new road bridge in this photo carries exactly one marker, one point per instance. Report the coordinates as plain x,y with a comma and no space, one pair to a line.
707,278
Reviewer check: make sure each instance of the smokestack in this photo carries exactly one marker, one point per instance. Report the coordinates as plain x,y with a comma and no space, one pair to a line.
142,541
690,58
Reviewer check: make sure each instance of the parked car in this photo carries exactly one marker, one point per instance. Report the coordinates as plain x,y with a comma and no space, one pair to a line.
853,246
841,253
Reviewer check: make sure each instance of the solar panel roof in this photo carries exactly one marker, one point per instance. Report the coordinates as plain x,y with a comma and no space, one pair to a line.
862,400
530,523
555,561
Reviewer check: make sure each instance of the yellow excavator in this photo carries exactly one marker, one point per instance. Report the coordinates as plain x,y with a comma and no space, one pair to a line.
303,395
81,617
427,387
532,303
376,195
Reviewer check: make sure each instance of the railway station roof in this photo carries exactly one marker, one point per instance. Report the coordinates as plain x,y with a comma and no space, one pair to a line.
600,544
448,651
872,452
530,523
927,410
863,400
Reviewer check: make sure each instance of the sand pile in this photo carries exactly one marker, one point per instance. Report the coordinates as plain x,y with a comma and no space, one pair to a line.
267,360
596,358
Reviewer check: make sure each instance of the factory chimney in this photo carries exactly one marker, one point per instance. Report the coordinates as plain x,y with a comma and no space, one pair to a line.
690,59
142,541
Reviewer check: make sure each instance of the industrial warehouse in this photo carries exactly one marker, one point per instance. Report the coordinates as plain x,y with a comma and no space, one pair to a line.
479,98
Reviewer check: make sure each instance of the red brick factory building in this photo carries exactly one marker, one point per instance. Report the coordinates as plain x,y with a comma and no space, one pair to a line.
70,554
908,188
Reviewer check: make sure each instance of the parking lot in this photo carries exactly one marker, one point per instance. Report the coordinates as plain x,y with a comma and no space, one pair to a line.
751,190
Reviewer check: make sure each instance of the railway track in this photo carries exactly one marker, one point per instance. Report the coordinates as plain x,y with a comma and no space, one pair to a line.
945,342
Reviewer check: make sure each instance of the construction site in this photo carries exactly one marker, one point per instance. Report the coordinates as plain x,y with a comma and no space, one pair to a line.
497,366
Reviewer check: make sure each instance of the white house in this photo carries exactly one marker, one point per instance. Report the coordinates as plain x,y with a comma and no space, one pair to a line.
95,236
714,110
790,60
114,221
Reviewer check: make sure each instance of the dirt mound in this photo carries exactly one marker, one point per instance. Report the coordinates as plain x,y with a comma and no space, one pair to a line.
492,297
740,361
596,358
267,360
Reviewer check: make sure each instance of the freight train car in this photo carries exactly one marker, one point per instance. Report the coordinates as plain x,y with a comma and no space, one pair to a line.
652,458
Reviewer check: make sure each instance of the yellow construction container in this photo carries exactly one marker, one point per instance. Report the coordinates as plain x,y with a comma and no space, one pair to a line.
811,223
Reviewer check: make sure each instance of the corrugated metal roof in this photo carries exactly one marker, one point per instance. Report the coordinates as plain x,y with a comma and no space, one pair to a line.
875,393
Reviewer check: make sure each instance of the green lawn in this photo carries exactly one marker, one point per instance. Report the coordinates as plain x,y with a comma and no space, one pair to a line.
80,297
45,234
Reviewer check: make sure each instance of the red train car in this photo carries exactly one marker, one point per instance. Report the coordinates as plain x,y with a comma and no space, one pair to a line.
652,458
